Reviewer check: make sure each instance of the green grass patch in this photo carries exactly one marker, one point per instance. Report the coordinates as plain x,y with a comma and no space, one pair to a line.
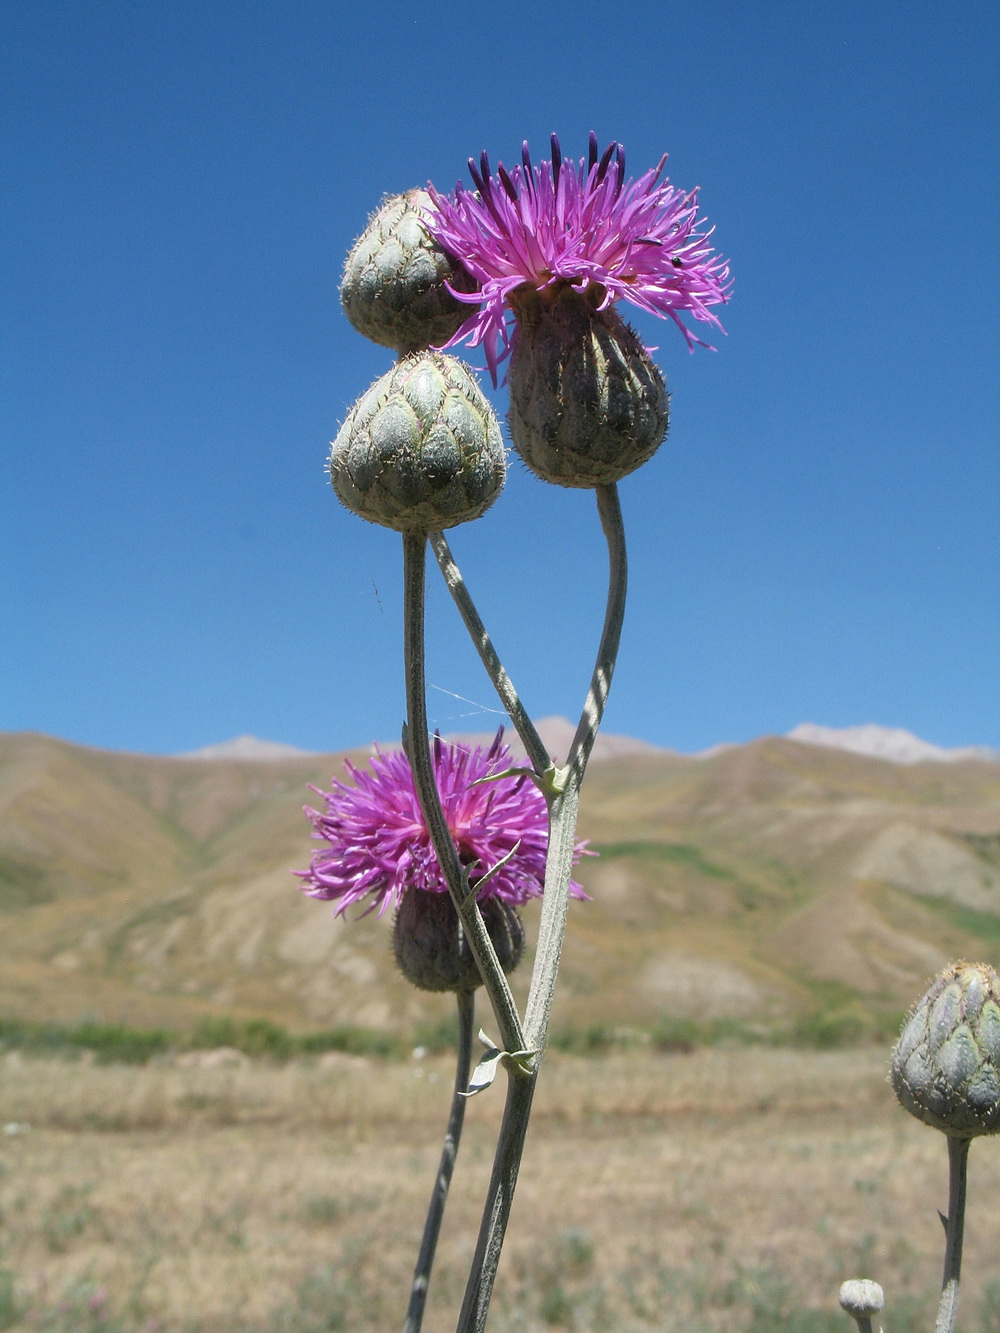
841,1021
256,1037
676,853
22,884
594,1039
984,925
354,1041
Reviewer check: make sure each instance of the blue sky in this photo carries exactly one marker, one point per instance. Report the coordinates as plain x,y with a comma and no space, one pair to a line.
818,538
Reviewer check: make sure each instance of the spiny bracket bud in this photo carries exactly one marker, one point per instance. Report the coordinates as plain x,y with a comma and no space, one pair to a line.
421,450
587,405
946,1065
432,949
394,285
862,1298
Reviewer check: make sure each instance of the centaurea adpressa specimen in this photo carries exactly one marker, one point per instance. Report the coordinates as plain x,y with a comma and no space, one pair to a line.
376,845
579,224
945,1070
544,256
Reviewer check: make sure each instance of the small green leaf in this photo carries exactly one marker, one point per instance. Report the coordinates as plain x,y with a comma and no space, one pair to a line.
484,1073
484,879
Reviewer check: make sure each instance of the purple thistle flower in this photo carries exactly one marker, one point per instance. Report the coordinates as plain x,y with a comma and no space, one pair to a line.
581,224
378,845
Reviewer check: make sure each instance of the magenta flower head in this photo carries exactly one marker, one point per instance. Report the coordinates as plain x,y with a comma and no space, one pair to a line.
577,224
377,848
377,845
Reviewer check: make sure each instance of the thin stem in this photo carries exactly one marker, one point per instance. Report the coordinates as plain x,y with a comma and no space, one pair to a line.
563,814
563,810
435,1212
533,744
958,1161
419,754
500,1196
609,509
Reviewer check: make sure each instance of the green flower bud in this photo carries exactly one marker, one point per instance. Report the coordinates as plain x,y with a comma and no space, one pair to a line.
946,1065
421,450
432,949
393,289
587,405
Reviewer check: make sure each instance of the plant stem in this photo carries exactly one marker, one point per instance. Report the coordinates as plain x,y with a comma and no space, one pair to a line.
435,1212
609,509
419,754
563,810
958,1161
499,1197
533,744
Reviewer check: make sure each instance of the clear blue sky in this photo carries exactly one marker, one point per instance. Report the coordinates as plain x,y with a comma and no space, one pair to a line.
817,540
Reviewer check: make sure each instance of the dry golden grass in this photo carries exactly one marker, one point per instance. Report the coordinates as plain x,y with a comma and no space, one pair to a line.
725,1190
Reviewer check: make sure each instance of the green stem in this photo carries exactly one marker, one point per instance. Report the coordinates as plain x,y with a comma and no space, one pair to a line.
419,754
609,509
563,813
533,744
958,1163
563,810
453,1134
500,1196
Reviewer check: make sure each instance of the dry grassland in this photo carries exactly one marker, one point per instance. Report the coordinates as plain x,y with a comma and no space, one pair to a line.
722,1190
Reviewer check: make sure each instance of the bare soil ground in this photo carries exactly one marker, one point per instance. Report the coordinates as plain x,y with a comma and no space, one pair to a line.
722,1190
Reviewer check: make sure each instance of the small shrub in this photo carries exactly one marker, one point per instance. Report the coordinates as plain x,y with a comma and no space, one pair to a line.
830,1029
352,1041
677,1036
113,1043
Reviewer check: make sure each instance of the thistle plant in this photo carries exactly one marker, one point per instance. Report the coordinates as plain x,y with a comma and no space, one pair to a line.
945,1070
530,266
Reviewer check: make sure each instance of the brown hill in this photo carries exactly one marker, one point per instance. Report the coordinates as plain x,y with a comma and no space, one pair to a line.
758,883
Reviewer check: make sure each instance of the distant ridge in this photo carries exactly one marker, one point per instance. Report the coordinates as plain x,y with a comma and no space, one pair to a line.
892,743
247,747
557,735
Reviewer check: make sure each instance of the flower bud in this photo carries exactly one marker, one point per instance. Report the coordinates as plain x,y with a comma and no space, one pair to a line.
421,450
946,1065
432,949
587,405
394,285
862,1298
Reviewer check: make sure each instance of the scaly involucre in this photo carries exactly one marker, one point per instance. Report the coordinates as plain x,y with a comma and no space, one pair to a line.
582,224
377,845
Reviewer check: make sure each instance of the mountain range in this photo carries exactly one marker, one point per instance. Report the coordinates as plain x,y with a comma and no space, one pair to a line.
764,881
891,743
